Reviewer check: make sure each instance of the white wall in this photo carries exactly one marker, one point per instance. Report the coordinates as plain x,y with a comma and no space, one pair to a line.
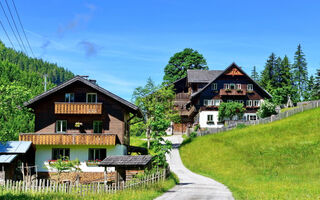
203,117
44,153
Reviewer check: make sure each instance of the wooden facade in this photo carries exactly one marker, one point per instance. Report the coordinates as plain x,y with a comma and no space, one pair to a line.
200,86
69,139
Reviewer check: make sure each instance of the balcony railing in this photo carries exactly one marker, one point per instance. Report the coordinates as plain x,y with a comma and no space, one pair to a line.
77,108
68,138
232,92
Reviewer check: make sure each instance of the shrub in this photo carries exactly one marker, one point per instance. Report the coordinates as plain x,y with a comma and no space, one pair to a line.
193,134
228,110
266,109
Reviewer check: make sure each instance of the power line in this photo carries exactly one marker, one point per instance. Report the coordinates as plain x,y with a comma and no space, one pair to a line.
10,25
14,23
14,5
7,35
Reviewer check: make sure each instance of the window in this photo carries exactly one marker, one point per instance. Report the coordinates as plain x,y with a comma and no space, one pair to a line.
238,86
97,154
232,86
229,101
252,117
217,102
60,153
208,102
256,103
210,118
214,86
69,97
250,87
97,126
226,86
91,98
61,126
249,103
239,101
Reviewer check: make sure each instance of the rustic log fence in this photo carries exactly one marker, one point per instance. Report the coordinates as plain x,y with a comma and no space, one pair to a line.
301,106
49,186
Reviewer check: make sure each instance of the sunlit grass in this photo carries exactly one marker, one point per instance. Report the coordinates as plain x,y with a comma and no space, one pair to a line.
280,160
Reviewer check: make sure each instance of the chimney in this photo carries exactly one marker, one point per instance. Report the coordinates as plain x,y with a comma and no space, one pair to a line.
93,81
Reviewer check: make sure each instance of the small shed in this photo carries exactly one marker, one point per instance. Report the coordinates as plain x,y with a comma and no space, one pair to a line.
124,163
14,154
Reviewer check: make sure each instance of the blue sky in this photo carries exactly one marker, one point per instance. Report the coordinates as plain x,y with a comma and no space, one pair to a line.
122,43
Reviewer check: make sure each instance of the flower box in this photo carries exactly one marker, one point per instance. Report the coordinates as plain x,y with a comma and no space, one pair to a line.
250,92
228,90
92,163
239,90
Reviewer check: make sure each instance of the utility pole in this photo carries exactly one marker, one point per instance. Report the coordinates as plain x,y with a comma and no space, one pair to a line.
45,82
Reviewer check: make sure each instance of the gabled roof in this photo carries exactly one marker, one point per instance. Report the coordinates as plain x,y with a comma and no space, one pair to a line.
202,76
7,158
90,84
15,147
230,66
126,160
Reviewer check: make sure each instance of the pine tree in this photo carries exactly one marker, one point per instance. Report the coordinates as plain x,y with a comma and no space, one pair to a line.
267,75
254,74
276,81
300,72
285,72
317,85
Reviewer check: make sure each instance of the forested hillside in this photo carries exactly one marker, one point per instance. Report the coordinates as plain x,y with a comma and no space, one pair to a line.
21,78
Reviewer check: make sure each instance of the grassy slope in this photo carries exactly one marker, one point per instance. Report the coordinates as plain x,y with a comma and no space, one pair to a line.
280,160
146,193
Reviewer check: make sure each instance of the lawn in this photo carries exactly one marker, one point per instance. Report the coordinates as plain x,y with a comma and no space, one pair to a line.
146,193
280,160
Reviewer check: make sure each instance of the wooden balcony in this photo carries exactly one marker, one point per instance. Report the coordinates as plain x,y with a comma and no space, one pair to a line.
68,138
77,108
233,92
186,112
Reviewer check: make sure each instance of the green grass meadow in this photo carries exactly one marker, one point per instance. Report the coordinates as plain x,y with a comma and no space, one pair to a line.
280,160
143,193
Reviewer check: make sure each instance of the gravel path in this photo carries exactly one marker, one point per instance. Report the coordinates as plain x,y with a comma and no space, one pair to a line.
191,186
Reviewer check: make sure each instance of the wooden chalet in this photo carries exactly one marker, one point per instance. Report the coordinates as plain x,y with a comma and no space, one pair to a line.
79,119
199,94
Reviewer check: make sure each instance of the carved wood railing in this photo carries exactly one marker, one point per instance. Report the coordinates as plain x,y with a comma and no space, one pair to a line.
69,138
77,108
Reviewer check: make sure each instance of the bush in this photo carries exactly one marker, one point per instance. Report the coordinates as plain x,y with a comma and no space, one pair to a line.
240,126
266,109
193,134
228,110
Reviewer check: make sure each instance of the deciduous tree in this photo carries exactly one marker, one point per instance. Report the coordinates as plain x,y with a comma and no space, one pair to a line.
180,62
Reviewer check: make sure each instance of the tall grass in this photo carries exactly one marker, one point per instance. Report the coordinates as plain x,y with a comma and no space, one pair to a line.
280,160
143,193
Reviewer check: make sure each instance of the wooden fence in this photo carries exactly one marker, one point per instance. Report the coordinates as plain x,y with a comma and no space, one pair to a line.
302,106
48,186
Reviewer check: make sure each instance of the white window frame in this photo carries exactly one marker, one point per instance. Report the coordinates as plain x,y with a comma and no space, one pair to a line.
256,103
250,87
238,86
217,102
60,129
226,86
234,86
249,103
69,100
91,94
229,101
214,86
210,116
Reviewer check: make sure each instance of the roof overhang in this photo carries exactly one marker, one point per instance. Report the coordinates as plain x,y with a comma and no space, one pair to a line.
126,161
8,158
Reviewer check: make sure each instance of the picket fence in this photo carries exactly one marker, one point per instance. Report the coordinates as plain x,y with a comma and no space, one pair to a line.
48,186
301,106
